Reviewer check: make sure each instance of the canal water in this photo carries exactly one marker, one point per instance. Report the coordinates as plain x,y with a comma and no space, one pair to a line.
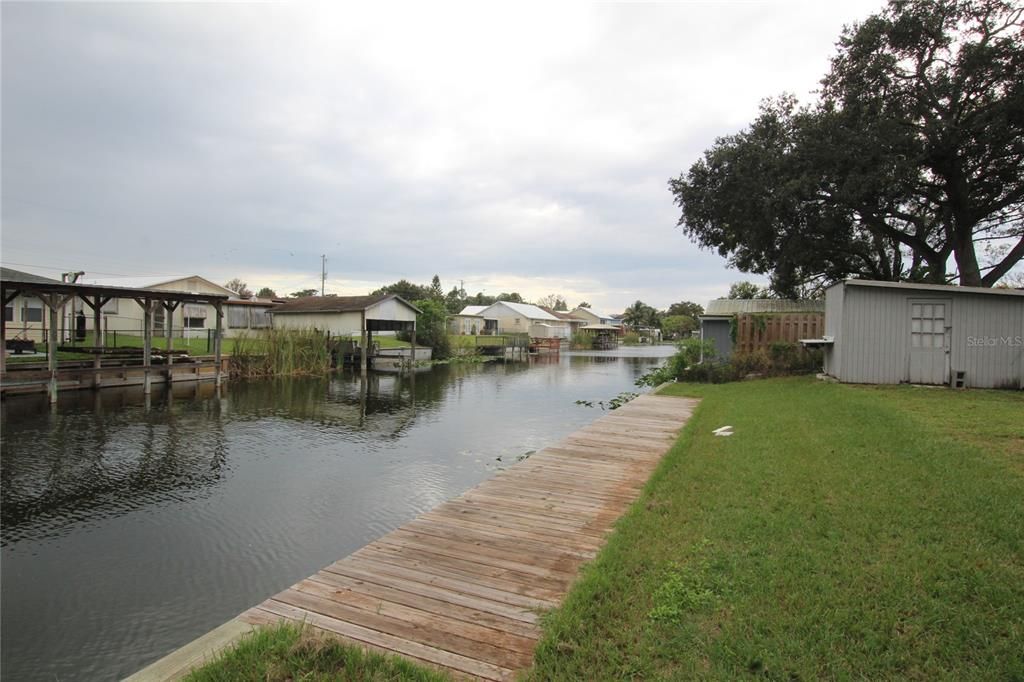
130,527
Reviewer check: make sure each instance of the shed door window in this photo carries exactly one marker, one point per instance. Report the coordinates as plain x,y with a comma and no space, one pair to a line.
928,325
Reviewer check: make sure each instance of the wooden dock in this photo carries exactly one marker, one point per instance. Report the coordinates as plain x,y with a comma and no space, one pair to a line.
462,587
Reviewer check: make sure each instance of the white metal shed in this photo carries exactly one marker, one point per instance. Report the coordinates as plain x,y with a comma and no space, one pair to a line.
899,332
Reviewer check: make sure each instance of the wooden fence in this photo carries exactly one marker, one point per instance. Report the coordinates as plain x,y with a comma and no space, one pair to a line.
757,331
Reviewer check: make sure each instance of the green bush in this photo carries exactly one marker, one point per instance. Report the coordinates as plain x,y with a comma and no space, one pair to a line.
432,327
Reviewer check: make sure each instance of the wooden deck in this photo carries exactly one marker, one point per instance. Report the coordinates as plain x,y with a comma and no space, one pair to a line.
462,586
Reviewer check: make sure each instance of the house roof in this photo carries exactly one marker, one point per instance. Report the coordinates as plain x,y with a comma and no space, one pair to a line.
595,313
944,288
9,275
734,306
474,309
530,312
148,283
336,304
560,314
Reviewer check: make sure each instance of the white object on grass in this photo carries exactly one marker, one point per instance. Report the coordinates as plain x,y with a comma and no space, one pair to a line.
723,431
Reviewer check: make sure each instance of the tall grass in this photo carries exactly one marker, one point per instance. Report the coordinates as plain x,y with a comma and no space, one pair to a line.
274,352
581,341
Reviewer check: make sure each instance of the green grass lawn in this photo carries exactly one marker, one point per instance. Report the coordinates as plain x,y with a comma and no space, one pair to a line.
842,532
385,341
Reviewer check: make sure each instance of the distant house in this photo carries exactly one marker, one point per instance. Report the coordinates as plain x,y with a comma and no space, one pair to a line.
189,320
346,315
753,323
471,321
523,318
593,317
575,323
900,332
24,316
466,324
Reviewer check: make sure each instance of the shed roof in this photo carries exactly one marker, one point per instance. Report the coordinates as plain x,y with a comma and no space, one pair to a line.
336,304
734,306
943,288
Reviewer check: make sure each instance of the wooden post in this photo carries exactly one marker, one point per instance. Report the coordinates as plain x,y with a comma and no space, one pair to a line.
147,345
169,309
97,340
412,355
51,346
369,346
362,343
216,340
3,333
97,333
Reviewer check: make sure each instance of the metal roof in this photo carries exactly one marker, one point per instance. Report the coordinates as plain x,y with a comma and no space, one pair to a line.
735,306
474,309
530,312
9,275
27,283
944,288
336,304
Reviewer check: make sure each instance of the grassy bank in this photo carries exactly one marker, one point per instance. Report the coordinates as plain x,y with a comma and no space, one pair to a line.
288,652
842,532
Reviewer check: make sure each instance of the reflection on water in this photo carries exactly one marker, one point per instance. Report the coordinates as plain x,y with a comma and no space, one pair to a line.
131,525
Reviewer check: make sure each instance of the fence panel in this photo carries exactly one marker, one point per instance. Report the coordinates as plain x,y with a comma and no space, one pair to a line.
755,332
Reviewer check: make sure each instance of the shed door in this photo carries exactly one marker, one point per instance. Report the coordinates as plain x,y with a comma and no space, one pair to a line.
929,341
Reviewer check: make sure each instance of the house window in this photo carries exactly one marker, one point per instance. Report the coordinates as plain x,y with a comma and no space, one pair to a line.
260,318
33,311
8,313
928,325
238,316
195,316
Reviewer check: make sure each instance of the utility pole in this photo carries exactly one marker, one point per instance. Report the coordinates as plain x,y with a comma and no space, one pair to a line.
323,272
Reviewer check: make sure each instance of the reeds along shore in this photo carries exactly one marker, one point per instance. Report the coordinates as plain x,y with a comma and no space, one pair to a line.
276,352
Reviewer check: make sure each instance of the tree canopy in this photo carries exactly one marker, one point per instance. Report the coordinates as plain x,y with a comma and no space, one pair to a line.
553,301
239,287
406,289
746,290
641,315
686,308
303,293
910,162
266,292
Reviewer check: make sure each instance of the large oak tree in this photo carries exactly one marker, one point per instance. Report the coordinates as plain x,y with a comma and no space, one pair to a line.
909,164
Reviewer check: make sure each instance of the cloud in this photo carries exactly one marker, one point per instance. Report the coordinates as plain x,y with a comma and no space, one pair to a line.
521,147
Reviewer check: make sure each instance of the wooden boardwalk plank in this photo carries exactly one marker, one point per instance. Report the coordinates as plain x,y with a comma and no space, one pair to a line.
461,587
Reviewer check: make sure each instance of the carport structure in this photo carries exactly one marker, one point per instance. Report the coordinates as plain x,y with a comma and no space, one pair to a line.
55,295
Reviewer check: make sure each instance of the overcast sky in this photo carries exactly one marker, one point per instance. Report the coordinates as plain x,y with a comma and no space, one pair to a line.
516,147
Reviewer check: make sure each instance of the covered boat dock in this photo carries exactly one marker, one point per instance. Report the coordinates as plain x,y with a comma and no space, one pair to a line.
55,295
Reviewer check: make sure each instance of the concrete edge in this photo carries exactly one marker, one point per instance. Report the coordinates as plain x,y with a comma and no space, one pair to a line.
180,662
